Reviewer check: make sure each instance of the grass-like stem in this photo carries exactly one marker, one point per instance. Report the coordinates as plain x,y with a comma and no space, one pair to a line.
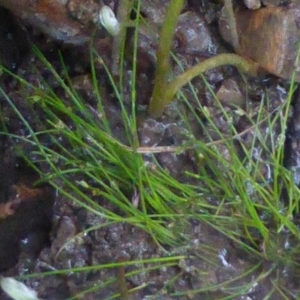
164,92
168,90
163,53
123,13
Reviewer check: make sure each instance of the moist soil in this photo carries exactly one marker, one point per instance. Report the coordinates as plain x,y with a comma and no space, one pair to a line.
40,228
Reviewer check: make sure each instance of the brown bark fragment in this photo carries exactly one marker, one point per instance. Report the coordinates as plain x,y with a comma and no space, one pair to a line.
51,17
270,36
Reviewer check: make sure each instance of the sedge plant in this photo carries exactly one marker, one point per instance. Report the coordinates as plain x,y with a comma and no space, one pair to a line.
248,211
228,196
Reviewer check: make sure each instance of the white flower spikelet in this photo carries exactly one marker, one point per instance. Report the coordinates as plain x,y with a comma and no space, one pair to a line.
109,21
17,290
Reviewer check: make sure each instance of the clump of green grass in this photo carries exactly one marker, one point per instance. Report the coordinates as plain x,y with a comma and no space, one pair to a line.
93,165
230,195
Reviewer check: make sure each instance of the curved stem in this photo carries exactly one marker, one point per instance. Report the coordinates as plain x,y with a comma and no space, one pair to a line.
158,105
164,92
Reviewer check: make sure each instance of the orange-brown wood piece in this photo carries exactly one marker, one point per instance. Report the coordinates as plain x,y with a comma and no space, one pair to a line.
270,36
50,16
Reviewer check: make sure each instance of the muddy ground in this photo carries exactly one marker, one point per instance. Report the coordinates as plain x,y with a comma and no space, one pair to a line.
36,221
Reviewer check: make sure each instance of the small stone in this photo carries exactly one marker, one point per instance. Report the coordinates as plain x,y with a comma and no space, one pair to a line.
230,94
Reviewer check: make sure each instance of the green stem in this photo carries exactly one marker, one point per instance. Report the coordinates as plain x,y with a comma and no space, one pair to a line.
123,14
163,52
232,25
169,91
164,92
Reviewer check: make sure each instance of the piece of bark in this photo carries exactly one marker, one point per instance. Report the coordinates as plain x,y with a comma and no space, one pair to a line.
269,36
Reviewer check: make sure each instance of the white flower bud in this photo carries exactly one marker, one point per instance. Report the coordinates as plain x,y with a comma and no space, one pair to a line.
109,21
